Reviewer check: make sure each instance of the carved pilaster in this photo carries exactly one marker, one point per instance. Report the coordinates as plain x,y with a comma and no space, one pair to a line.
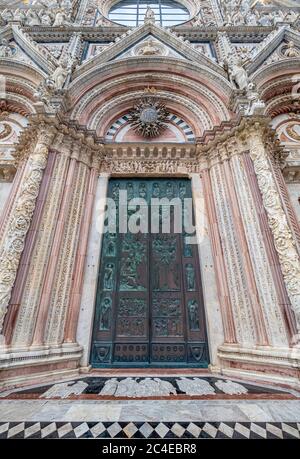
26,320
13,243
283,237
64,266
239,295
269,302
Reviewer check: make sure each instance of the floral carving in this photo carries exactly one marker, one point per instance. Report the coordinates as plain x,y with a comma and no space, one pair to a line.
13,244
283,238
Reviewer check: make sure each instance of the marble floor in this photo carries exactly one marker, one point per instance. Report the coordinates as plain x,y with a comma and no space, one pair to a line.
150,410
64,409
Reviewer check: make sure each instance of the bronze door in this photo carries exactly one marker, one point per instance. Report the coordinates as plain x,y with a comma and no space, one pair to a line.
149,308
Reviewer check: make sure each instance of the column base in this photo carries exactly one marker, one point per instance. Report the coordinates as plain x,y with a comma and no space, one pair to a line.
267,364
22,366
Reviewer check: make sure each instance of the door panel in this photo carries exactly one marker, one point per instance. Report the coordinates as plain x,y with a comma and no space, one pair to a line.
149,307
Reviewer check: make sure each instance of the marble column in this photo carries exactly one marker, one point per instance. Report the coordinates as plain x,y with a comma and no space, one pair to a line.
91,268
19,220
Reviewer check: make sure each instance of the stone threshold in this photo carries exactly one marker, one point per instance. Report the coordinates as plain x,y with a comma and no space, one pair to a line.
97,397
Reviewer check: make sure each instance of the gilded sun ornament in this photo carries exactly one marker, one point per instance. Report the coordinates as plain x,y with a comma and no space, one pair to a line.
149,116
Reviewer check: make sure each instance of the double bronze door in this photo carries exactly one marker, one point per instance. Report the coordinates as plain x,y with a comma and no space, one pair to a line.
149,307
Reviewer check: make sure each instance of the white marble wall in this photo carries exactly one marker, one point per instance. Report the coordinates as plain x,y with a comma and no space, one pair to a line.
90,280
211,302
294,192
5,188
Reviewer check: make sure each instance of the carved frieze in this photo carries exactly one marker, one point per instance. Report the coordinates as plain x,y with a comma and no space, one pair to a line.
162,166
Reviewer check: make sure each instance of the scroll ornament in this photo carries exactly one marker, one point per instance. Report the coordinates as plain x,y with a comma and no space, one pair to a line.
283,238
13,243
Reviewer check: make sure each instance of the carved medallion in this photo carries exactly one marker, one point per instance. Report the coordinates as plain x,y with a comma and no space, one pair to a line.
148,117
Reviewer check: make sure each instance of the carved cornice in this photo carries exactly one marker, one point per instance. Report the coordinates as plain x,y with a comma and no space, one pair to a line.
213,142
66,137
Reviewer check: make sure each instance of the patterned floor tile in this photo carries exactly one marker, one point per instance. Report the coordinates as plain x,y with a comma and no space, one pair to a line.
229,430
97,429
130,429
146,430
162,430
114,429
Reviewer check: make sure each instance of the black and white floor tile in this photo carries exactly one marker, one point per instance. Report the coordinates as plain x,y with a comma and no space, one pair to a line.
230,430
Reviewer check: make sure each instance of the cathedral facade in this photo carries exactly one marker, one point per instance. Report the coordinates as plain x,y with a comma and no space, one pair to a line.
110,110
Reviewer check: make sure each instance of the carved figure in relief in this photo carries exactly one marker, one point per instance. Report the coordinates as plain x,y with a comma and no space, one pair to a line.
46,19
175,327
193,314
231,388
108,280
32,19
109,387
149,49
116,191
237,74
60,74
149,16
60,19
7,49
187,248
130,191
63,390
161,327
143,191
165,269
290,50
127,387
155,190
255,104
169,190
195,386
111,245
131,387
182,190
190,277
130,277
105,315
165,387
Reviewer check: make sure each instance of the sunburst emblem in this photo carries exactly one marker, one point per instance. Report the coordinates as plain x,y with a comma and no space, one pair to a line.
148,116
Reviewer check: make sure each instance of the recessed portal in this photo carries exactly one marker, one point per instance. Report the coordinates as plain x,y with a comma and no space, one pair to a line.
149,307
